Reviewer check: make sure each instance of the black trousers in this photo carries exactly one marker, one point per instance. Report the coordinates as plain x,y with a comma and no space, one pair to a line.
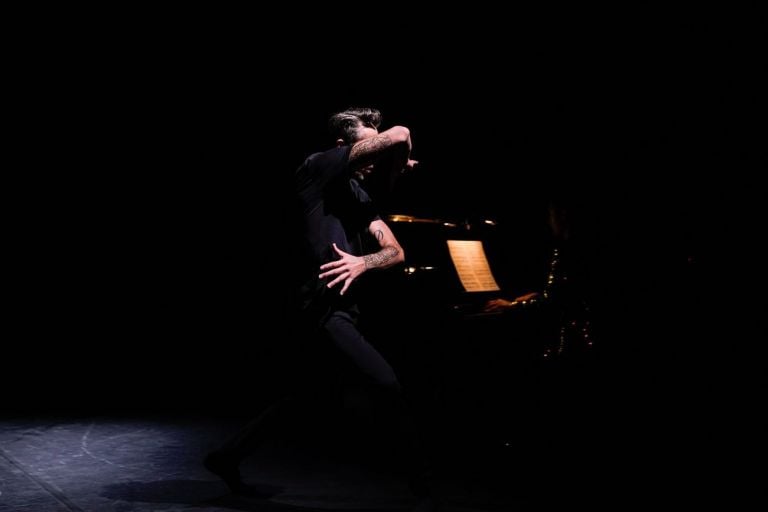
339,333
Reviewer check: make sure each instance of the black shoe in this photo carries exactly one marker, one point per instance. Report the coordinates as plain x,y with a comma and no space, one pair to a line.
226,469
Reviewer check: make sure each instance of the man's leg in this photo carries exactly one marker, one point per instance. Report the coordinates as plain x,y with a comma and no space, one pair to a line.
276,387
343,333
225,461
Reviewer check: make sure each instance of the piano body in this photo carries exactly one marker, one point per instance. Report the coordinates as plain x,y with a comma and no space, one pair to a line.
480,352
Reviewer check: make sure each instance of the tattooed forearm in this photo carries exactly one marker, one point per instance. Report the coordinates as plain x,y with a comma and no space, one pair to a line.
369,147
381,258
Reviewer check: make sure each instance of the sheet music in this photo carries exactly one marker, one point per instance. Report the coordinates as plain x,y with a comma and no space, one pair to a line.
472,266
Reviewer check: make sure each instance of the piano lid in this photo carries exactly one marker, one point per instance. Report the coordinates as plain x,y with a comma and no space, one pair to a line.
419,220
410,219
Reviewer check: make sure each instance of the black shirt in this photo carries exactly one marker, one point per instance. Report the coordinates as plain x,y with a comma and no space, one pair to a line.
333,209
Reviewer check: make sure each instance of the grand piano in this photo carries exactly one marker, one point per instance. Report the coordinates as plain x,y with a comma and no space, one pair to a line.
449,274
482,350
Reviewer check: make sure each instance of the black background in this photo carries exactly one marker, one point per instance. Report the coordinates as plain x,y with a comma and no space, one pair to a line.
151,242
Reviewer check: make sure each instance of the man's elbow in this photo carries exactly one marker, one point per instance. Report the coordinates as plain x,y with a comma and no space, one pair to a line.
400,257
399,134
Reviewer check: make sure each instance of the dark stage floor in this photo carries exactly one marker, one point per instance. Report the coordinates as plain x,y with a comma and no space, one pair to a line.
122,465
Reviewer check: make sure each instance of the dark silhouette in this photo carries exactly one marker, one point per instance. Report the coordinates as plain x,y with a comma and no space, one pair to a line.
334,217
565,291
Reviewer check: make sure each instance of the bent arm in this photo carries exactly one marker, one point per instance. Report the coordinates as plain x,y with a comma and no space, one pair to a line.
349,267
390,254
393,145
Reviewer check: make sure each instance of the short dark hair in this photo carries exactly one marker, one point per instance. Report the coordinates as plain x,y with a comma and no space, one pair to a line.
344,125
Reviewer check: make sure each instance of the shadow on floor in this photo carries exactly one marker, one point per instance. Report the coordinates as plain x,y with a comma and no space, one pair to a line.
204,494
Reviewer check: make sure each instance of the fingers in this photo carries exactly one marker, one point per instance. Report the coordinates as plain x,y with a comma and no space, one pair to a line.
340,278
333,271
409,165
331,264
330,273
338,269
334,263
346,285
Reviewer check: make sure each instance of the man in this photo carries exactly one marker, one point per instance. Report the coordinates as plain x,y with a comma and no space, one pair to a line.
334,213
335,210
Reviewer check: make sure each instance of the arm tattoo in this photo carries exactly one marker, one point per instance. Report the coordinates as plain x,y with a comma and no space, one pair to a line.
379,234
381,258
369,147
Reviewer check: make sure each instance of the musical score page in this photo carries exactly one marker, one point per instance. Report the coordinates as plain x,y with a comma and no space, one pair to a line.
468,257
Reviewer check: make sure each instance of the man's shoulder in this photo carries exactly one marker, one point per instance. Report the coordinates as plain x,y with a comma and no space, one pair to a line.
326,165
338,154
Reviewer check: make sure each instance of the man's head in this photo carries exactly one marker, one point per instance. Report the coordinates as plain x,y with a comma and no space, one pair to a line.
354,124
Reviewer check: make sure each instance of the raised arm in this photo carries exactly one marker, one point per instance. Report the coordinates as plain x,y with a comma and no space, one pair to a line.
349,267
393,145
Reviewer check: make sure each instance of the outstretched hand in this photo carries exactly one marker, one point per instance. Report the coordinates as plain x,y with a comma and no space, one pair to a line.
347,268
